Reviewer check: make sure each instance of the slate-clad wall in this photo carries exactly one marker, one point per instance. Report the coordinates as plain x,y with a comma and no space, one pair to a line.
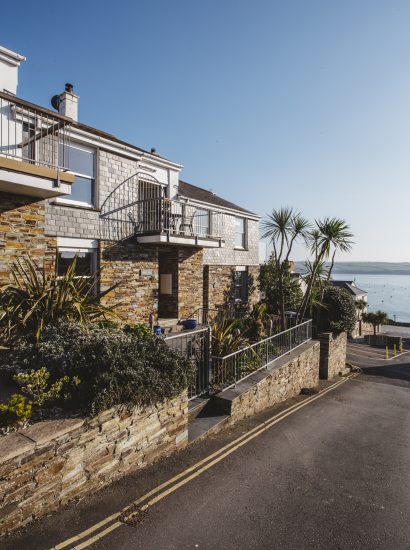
44,467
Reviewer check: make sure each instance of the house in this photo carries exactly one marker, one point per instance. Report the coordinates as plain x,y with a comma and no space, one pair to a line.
355,292
361,328
68,189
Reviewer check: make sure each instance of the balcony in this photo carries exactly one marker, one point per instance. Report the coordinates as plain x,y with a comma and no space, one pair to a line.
157,220
33,150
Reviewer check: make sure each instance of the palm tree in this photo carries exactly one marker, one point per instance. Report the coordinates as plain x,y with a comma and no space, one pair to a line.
283,227
376,319
330,236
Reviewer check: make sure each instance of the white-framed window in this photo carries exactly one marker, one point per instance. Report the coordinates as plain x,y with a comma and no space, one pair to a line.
84,249
241,284
81,160
240,232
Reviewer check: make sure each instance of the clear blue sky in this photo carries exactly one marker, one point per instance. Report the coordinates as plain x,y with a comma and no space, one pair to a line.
268,103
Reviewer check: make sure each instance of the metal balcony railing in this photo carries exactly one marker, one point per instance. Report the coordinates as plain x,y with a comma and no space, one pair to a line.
137,207
33,135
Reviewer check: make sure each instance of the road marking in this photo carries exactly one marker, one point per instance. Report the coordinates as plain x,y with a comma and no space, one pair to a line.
186,475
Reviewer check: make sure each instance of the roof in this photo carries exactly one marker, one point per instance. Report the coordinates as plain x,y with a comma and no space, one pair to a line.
193,192
350,287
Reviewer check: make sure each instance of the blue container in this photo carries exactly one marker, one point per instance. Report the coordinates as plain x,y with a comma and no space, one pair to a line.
189,324
157,330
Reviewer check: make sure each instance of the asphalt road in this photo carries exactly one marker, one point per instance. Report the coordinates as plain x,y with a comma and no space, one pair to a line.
334,475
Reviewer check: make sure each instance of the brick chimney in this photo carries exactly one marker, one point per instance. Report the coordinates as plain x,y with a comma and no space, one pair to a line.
9,65
68,102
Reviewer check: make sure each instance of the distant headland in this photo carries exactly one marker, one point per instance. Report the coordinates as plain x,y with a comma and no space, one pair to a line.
368,268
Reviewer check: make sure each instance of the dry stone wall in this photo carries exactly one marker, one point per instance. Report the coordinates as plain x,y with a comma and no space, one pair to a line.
47,465
282,380
332,354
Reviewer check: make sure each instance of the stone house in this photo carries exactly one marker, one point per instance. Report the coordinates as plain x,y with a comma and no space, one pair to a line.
67,189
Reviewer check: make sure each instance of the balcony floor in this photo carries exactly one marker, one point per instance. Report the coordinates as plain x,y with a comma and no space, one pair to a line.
181,240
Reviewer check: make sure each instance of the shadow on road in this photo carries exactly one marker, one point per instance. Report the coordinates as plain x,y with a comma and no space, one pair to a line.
393,371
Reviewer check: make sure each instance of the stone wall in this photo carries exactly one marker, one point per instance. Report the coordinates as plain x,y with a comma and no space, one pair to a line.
283,379
134,268
21,231
362,329
190,280
332,354
44,467
219,281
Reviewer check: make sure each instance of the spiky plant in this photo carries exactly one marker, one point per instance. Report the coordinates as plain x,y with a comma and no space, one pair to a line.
38,297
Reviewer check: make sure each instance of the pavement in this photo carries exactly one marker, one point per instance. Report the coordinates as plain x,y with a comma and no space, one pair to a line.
328,471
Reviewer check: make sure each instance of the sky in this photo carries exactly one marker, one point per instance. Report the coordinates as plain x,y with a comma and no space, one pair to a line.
268,103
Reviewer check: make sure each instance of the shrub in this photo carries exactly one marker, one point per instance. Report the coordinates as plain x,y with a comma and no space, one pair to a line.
226,337
37,298
338,313
35,384
15,413
114,366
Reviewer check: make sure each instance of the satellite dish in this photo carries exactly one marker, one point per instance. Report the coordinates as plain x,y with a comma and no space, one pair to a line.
55,102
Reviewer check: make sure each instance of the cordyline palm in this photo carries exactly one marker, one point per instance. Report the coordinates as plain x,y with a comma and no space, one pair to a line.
375,318
283,227
38,297
330,236
361,306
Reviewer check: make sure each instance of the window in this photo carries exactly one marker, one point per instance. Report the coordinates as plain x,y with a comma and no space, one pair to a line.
85,261
241,284
202,225
240,233
80,160
84,249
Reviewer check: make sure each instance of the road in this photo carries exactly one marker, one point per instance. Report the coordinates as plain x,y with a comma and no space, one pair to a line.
333,474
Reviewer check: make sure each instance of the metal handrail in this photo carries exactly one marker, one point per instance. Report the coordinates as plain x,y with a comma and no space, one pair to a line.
228,370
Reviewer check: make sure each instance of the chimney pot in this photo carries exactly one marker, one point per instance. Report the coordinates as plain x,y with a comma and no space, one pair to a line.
69,88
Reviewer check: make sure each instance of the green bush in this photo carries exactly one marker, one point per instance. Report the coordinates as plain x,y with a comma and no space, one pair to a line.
338,313
36,384
15,413
115,367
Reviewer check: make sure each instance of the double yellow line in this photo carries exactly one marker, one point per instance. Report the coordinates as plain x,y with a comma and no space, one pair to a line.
158,493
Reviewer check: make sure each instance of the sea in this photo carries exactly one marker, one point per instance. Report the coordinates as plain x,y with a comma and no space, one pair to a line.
390,293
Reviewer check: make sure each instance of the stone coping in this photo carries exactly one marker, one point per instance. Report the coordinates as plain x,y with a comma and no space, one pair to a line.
18,443
252,380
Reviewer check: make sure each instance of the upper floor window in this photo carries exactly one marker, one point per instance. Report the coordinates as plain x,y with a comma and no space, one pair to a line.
82,161
240,233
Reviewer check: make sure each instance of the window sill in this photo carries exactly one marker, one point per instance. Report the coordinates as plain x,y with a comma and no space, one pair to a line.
75,204
241,248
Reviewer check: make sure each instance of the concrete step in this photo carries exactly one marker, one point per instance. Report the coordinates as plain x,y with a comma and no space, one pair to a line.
209,419
202,426
195,407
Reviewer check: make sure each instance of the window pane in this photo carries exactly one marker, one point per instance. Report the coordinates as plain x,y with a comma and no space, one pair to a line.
239,225
85,262
239,239
78,160
202,222
82,190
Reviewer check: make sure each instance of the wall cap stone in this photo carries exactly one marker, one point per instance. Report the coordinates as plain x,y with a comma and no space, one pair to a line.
51,429
14,444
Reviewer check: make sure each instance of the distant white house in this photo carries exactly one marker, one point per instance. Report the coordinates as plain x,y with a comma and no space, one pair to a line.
355,292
